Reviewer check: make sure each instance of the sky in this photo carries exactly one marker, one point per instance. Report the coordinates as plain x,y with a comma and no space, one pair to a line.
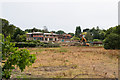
60,14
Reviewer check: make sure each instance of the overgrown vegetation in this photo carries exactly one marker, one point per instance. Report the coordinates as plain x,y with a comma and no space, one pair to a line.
12,56
35,43
112,39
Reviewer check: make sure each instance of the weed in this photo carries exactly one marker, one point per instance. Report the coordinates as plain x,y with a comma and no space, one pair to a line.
66,60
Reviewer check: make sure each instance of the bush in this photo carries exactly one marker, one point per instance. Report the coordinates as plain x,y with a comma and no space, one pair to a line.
14,57
112,41
35,44
96,40
75,38
24,44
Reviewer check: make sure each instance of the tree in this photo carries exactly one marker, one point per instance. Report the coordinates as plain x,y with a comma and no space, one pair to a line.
117,30
112,41
89,36
17,34
12,56
60,32
86,30
97,28
78,31
33,30
53,31
102,35
45,30
110,30
7,29
20,38
96,35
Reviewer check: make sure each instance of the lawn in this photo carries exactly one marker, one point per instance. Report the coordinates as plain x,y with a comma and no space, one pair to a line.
71,62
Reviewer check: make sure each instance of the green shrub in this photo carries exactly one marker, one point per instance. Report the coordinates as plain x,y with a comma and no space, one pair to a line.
12,57
35,44
112,41
96,40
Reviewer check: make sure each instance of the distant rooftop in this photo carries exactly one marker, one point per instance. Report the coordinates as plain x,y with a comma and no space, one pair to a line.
37,33
50,34
42,33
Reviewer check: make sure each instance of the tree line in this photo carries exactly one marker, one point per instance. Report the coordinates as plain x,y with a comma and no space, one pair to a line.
94,34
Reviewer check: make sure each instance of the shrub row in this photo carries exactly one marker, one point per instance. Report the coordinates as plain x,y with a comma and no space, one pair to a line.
31,44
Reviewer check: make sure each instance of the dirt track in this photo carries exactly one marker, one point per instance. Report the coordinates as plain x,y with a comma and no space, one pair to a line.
70,62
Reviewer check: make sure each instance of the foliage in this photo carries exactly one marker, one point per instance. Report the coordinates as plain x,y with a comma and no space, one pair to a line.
97,33
19,35
75,38
78,31
35,43
86,30
12,56
60,32
110,30
53,31
89,36
7,29
20,38
96,40
33,30
112,39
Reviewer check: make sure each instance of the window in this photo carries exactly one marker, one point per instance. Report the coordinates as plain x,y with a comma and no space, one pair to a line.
55,39
50,39
45,39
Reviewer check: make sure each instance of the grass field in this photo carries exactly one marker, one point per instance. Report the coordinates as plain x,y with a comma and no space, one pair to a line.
71,62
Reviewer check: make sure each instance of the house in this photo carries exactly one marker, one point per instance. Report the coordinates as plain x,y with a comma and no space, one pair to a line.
65,37
48,37
43,37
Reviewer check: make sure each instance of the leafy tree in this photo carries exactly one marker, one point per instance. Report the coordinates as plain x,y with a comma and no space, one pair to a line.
86,30
117,30
12,56
89,36
112,41
20,38
33,30
28,30
78,31
7,29
17,33
92,30
53,31
96,35
110,30
60,32
97,28
102,35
